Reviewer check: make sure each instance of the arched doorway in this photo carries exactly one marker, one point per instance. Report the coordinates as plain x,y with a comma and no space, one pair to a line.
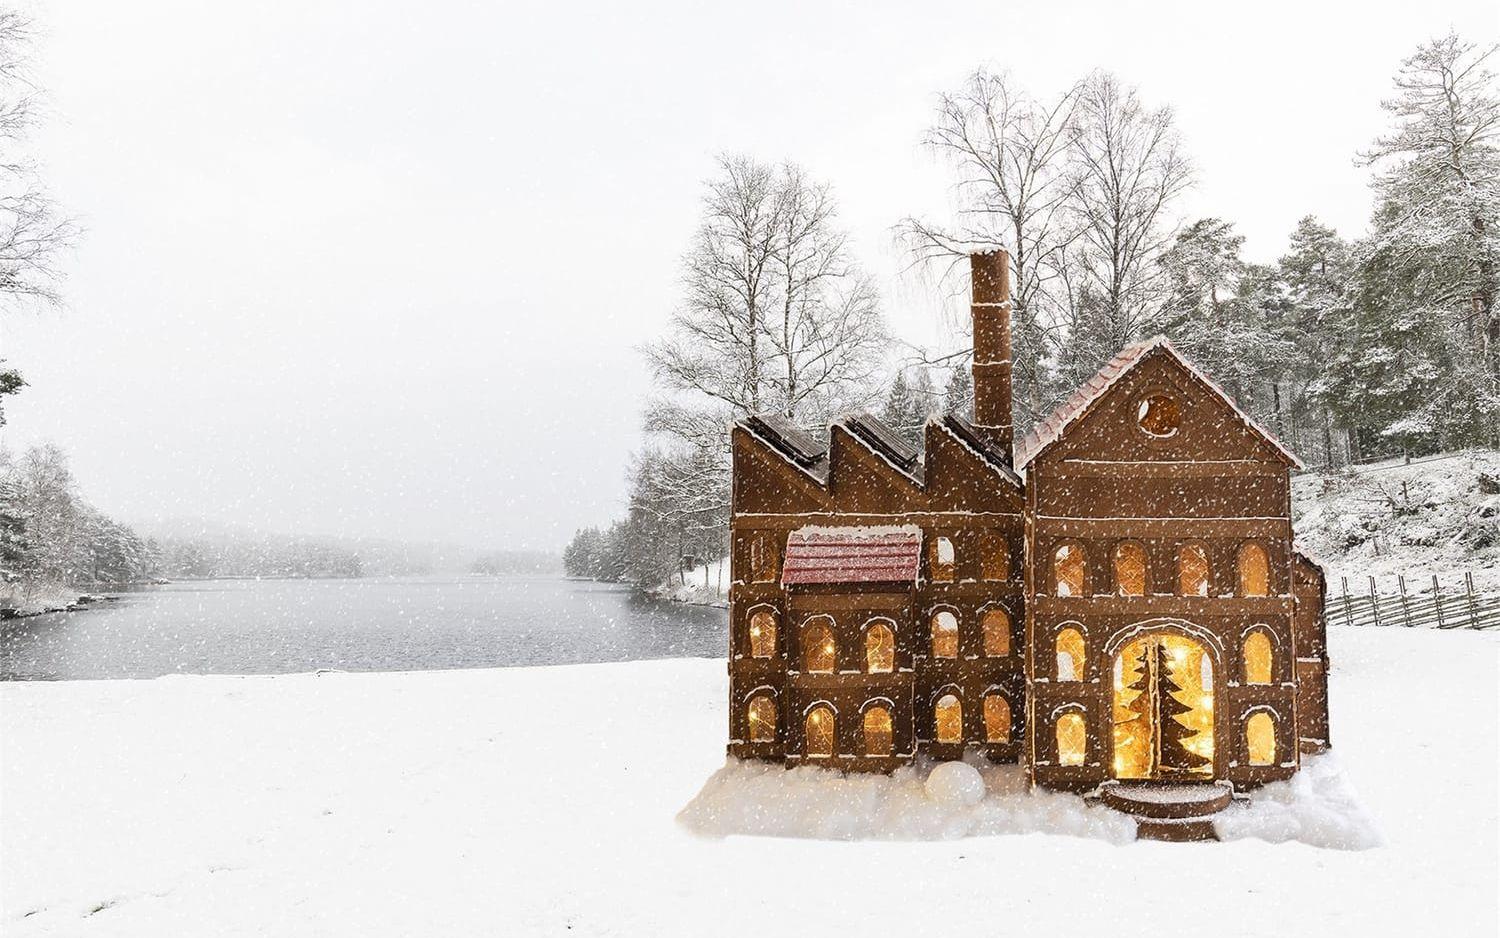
1163,708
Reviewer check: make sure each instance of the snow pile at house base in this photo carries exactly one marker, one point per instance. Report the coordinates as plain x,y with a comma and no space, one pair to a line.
757,798
765,799
1437,515
1316,806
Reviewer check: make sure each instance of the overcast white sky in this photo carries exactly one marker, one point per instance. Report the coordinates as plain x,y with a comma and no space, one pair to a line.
371,268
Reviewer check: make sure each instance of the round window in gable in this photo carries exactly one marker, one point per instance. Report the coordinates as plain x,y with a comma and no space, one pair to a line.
1158,415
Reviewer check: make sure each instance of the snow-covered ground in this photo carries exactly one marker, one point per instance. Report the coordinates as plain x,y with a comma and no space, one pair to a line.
38,600
704,585
544,800
1437,516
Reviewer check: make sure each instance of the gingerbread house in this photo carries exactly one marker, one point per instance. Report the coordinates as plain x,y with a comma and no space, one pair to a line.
1113,598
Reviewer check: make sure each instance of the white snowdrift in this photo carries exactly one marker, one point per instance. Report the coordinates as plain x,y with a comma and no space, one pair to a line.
1316,808
527,801
755,798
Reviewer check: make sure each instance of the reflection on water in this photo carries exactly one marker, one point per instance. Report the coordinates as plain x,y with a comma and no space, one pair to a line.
279,626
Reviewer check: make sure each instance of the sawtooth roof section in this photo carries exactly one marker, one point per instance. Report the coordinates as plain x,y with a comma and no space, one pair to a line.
1051,430
791,442
885,443
852,554
991,454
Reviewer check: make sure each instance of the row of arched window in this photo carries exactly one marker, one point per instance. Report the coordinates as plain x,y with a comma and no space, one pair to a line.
1070,569
1257,657
820,650
821,721
1073,738
994,558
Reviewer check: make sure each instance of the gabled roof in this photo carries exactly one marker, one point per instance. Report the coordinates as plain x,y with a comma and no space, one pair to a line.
1049,431
852,554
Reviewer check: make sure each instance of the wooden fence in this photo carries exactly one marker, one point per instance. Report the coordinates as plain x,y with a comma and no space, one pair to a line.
1435,608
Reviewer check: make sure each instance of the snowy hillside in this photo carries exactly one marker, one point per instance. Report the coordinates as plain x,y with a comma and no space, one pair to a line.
1439,515
544,801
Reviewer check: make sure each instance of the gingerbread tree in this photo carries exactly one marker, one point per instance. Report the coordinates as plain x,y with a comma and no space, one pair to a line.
1158,705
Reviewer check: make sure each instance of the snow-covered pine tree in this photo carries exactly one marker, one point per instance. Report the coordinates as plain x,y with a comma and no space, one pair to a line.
1312,279
903,412
1428,271
958,396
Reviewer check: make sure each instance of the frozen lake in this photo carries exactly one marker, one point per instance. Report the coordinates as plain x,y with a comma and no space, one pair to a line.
409,624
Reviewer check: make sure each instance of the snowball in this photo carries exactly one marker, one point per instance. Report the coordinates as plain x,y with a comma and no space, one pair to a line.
955,783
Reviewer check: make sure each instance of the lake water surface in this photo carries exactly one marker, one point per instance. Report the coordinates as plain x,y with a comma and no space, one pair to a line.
406,624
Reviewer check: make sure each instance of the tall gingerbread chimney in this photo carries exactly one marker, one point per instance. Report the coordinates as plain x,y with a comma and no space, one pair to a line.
990,304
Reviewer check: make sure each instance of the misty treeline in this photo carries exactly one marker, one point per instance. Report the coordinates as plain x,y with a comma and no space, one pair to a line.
52,538
1347,349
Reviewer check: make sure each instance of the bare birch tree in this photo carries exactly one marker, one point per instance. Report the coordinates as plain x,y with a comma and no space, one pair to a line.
1130,169
776,316
32,232
1010,152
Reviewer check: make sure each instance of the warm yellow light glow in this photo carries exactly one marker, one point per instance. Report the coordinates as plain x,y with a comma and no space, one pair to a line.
1069,570
762,719
1141,749
948,719
996,628
762,635
820,653
996,719
1130,569
1257,658
945,635
880,649
1072,739
1192,570
1260,739
819,729
1254,571
1070,655
878,741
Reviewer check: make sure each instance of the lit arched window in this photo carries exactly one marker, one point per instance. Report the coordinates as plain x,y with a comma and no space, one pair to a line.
761,715
1192,570
945,635
943,559
1260,738
996,719
880,649
948,719
1069,655
1130,568
1072,739
994,557
1257,658
1255,572
878,731
1069,570
819,650
762,635
819,731
996,627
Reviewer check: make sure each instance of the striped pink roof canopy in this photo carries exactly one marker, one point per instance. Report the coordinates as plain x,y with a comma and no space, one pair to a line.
852,554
